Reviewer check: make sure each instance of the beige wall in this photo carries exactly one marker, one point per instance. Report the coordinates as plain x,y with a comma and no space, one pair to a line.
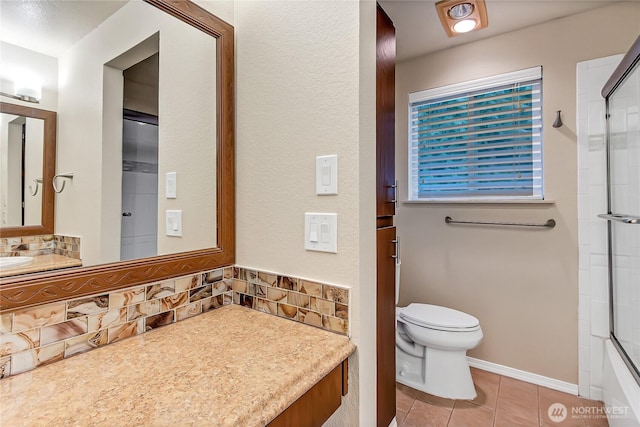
522,284
10,170
34,149
305,88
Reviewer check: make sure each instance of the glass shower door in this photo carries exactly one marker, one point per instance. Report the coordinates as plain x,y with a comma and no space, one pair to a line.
623,108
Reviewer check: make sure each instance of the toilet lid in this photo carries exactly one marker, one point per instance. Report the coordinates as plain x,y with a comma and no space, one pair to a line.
436,317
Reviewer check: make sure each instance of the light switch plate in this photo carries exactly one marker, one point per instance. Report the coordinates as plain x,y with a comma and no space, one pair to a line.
171,185
321,232
174,223
327,175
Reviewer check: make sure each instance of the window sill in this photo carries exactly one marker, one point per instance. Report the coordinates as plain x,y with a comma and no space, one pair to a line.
480,202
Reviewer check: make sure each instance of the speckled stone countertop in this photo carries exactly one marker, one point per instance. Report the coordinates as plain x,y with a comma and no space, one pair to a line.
42,263
229,367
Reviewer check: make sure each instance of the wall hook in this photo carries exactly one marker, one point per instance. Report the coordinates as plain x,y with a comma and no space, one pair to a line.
37,182
558,121
68,175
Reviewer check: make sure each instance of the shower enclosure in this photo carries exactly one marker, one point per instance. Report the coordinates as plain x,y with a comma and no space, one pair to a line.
622,94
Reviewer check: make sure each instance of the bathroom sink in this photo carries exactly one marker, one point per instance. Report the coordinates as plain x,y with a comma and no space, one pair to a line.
14,261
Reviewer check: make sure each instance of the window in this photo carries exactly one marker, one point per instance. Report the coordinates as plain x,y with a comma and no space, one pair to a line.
478,140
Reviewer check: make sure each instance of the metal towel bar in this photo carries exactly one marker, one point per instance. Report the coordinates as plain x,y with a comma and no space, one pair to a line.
549,224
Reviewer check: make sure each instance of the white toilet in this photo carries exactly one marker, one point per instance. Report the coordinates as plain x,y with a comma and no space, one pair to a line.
431,349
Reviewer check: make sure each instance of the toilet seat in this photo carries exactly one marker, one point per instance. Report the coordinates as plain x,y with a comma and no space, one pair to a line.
440,318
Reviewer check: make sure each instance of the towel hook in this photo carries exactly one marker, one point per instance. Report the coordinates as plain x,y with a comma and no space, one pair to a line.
68,175
558,121
37,182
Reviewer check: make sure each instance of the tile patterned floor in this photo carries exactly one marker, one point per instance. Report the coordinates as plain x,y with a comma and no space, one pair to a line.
501,402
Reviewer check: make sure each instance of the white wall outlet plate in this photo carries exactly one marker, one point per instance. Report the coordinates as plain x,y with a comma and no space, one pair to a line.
321,232
327,175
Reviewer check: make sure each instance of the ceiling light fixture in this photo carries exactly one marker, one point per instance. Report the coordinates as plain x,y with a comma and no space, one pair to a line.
462,16
464,26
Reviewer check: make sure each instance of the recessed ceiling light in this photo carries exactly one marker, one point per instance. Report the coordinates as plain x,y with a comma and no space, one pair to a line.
464,26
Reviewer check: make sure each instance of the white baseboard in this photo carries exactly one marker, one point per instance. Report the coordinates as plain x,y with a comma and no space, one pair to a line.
524,376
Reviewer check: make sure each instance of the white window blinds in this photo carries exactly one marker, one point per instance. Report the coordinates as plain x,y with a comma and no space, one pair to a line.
478,139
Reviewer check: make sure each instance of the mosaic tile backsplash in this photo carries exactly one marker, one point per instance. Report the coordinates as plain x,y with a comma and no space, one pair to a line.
46,244
47,333
321,305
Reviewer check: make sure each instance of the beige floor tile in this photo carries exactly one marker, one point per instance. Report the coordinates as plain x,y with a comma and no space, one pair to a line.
596,421
548,397
467,414
405,397
517,398
487,385
592,413
513,387
517,404
509,419
400,416
435,400
568,422
426,415
407,390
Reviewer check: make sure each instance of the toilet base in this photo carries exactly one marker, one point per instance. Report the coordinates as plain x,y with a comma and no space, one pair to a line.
441,373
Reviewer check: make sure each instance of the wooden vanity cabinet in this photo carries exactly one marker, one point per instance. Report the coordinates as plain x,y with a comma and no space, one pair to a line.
315,407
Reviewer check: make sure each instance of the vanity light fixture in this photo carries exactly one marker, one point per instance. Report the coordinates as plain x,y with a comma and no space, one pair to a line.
21,97
462,16
26,87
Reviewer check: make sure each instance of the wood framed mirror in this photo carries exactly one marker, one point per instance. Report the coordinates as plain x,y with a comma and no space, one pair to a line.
40,183
35,289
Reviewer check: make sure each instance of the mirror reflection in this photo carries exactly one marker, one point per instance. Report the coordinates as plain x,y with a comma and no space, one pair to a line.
21,152
135,94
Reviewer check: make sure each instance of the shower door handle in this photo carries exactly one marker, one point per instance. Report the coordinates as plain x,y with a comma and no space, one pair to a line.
627,219
126,213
